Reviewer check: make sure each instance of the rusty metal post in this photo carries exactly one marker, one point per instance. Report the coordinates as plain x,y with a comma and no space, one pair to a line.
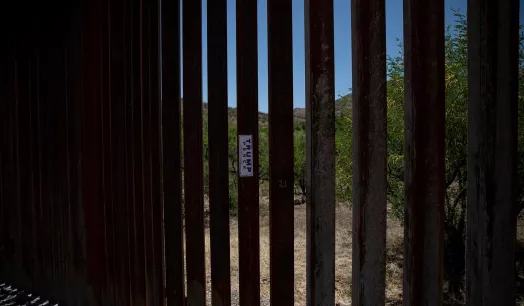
193,152
424,151
138,210
118,134
147,116
3,153
171,146
147,92
247,121
78,272
369,152
16,139
26,201
281,186
320,153
218,152
59,158
38,177
10,186
493,63
130,259
91,149
156,166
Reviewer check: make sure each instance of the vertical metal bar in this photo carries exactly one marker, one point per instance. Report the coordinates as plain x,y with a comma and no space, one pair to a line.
17,224
107,146
91,148
138,283
53,214
320,153
25,169
424,151
38,178
11,167
9,170
3,153
247,121
49,173
156,170
65,187
74,96
193,152
23,126
281,186
139,290
493,44
59,135
68,248
129,257
171,146
44,182
218,152
369,147
118,138
146,148
33,172
62,167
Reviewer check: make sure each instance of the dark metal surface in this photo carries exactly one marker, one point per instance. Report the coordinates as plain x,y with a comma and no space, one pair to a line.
171,144
218,153
77,277
106,161
90,157
493,44
424,152
156,167
193,152
24,153
320,153
369,152
247,124
91,149
140,293
118,134
65,144
281,186
147,196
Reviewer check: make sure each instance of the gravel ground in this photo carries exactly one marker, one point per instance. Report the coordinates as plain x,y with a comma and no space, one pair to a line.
10,296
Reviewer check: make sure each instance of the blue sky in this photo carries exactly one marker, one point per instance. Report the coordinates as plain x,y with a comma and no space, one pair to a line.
394,19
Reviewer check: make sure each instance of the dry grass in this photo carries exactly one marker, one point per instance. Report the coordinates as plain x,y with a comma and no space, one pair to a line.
343,257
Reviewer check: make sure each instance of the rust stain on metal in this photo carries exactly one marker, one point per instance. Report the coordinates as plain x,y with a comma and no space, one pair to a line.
320,154
218,153
493,44
171,144
281,175
247,122
424,152
193,153
369,152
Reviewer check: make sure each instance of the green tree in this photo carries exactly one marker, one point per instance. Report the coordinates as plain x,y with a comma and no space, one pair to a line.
299,139
344,159
456,84
233,179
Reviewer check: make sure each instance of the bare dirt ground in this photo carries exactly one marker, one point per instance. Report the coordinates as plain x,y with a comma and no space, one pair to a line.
343,257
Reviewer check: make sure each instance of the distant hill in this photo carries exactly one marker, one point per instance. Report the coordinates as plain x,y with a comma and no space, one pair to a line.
342,106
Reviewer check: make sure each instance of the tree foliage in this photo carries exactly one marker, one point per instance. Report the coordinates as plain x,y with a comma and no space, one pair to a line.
456,86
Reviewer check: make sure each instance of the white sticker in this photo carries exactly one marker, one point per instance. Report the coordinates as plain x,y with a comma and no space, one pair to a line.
245,159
